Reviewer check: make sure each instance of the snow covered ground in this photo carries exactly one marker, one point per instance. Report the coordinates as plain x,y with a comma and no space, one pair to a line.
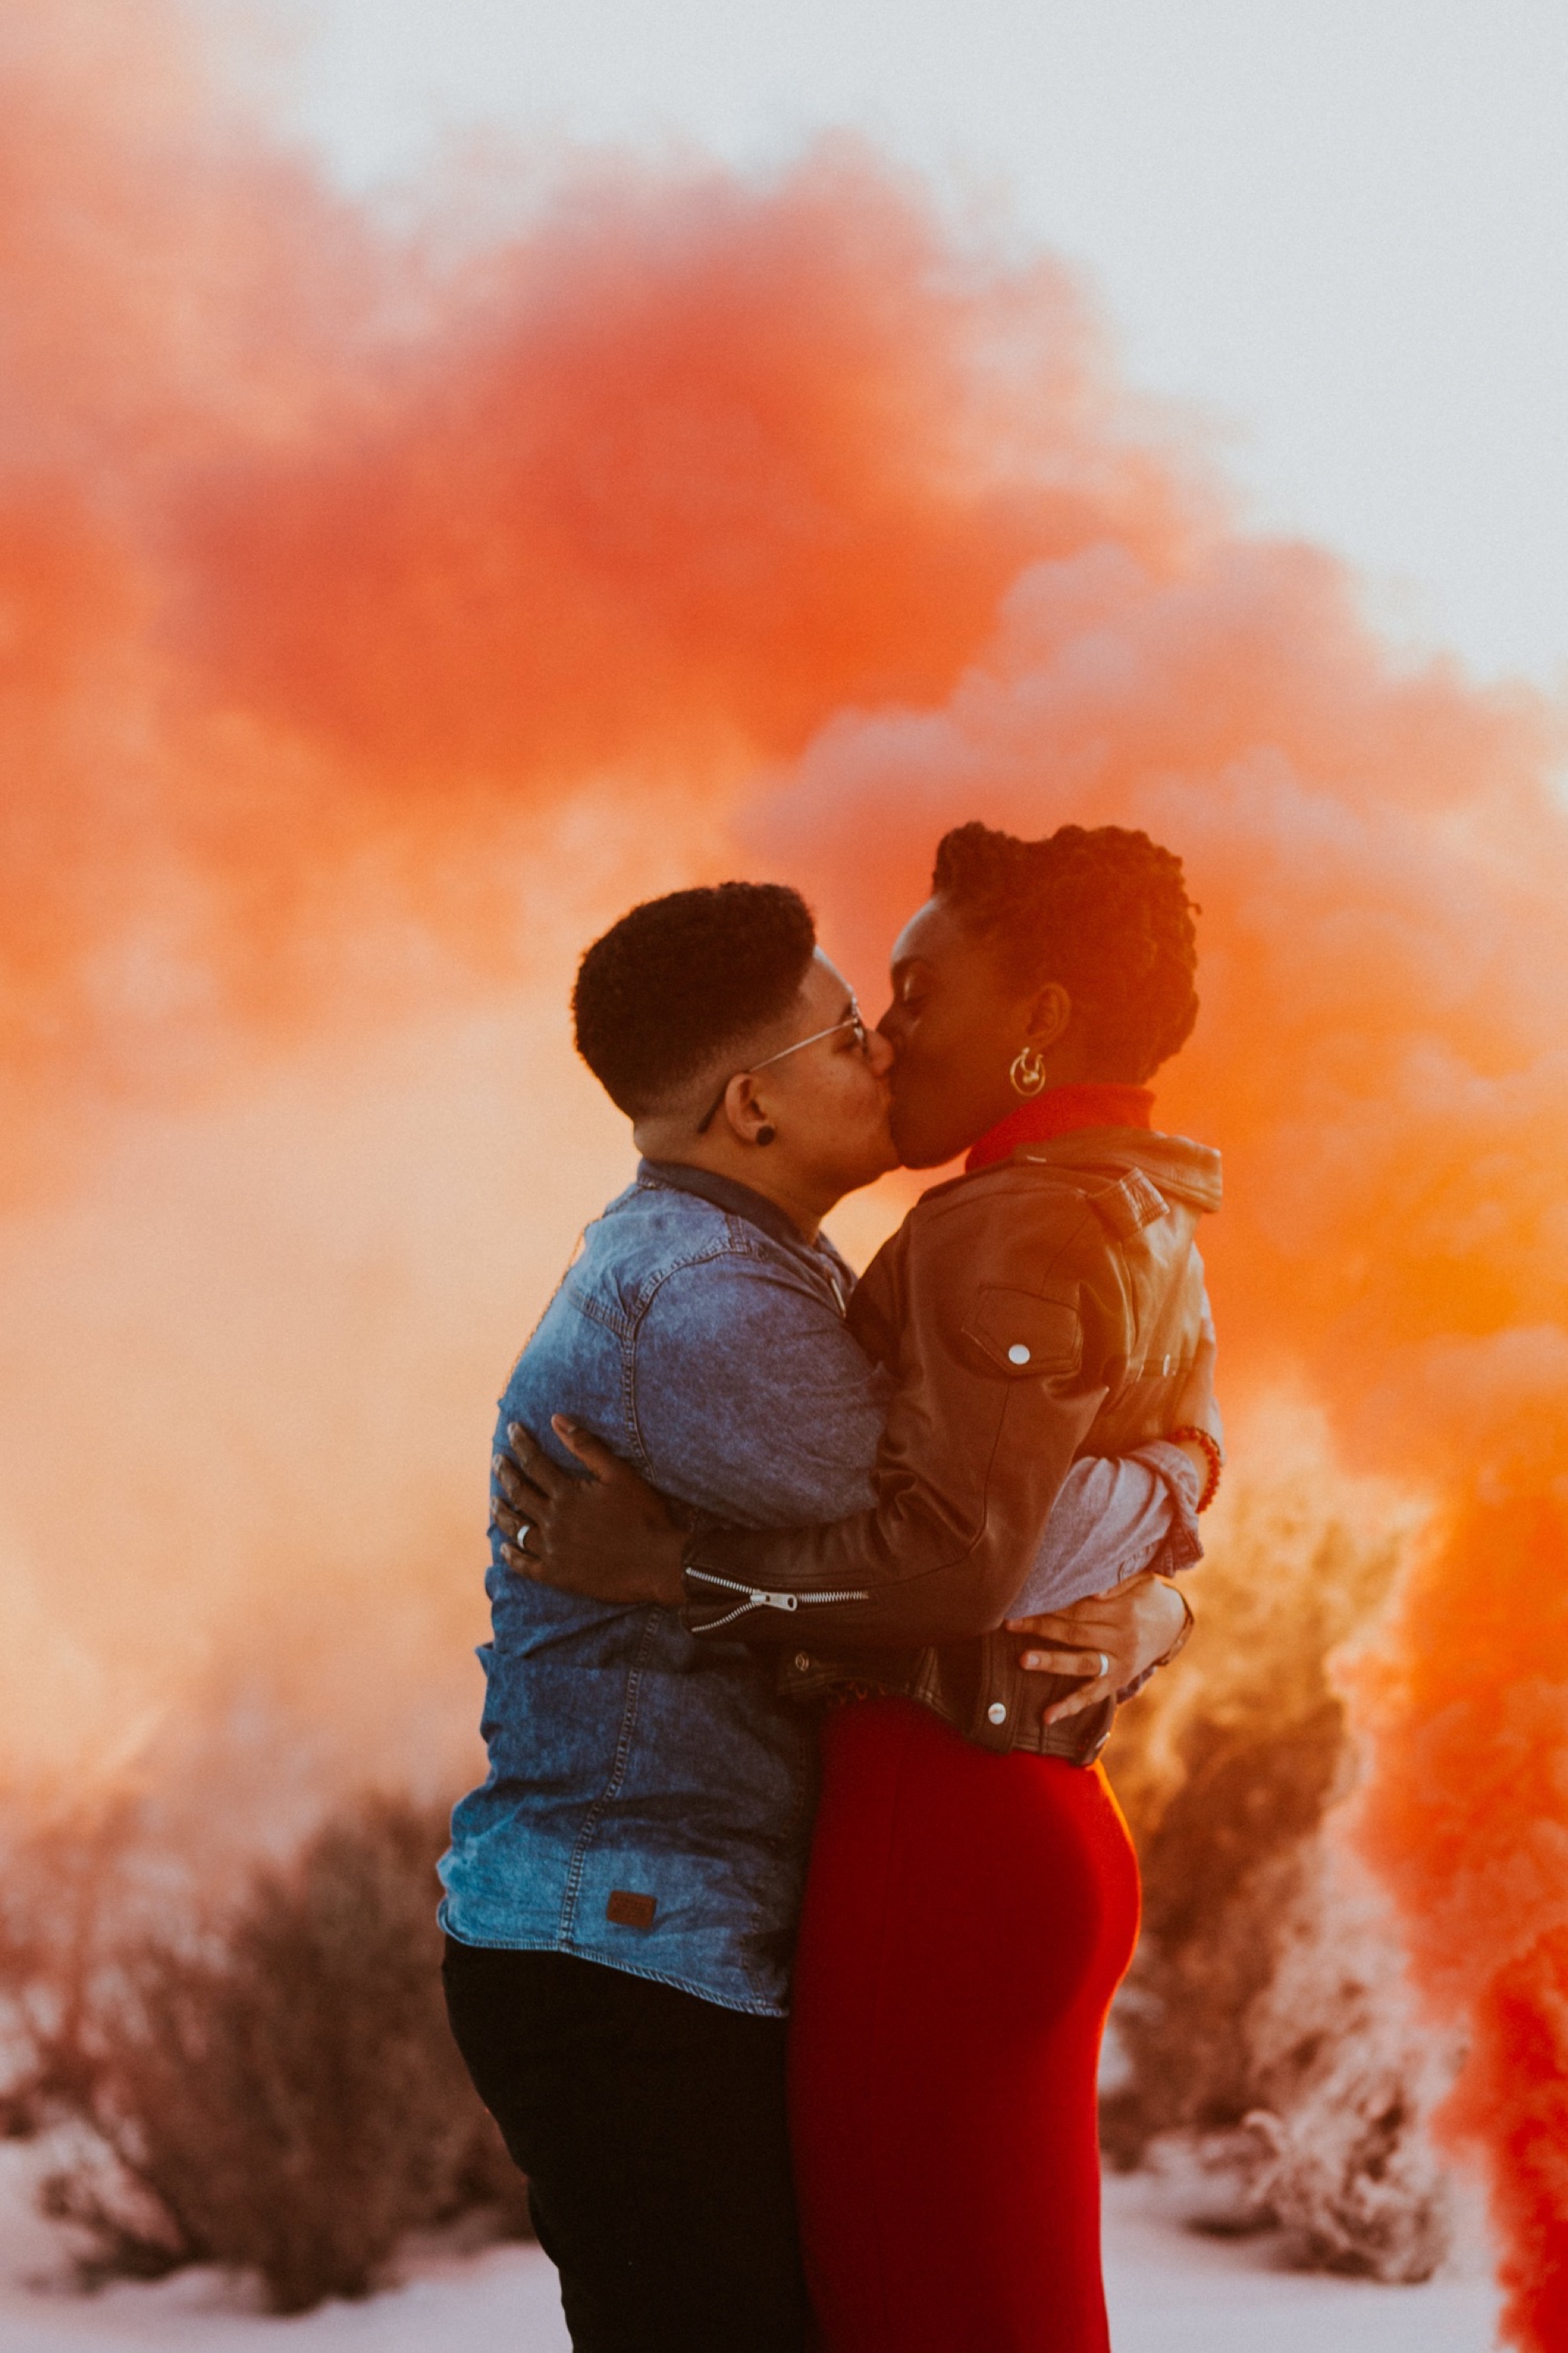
1175,2291
1171,2290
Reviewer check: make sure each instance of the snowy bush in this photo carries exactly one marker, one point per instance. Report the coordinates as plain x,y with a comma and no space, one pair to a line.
1346,2072
277,2090
1266,2015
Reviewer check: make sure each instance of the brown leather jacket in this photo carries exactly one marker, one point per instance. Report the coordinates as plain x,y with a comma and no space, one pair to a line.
1043,1308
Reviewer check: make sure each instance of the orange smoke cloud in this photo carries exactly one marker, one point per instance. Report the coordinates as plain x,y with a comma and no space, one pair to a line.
331,553
379,612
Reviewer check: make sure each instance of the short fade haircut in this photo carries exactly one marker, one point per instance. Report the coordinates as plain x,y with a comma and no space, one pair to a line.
676,981
1102,911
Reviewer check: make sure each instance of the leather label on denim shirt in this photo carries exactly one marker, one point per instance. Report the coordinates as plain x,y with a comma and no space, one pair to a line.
629,1911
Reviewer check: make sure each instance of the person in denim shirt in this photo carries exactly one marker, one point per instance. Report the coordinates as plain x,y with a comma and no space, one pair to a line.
622,1891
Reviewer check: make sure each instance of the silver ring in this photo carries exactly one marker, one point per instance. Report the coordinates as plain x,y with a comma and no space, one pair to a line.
520,1539
1104,1664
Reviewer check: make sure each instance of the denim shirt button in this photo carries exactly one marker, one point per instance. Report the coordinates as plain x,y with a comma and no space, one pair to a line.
801,1663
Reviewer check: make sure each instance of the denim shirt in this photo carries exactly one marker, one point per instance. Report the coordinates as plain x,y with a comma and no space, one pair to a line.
649,1799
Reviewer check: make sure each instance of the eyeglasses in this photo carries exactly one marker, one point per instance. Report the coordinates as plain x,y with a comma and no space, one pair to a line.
852,1020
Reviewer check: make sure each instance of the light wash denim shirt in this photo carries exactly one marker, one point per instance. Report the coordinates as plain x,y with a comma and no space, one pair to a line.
649,1800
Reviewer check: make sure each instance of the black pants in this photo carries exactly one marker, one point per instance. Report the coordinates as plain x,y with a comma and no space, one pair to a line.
651,2127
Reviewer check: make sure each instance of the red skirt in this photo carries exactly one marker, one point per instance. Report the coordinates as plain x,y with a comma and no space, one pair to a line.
967,1919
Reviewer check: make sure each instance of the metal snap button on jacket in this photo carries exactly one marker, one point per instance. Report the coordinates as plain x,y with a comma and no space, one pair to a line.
1017,1354
997,1712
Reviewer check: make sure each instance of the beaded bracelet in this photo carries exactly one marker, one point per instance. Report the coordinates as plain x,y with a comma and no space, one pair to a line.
1212,1450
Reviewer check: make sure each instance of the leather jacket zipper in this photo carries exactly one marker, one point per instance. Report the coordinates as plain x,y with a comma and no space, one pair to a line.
756,1598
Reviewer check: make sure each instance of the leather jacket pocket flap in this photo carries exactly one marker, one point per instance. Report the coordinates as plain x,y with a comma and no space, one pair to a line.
1025,1335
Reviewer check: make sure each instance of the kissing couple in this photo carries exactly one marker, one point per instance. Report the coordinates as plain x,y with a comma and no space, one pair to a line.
782,1931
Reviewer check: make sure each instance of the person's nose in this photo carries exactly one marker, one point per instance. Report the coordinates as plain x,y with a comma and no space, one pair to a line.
880,1052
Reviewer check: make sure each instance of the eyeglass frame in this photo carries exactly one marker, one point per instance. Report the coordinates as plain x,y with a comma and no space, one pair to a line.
854,1020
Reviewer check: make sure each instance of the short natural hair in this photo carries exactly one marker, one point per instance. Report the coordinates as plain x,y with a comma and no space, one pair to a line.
678,979
1101,910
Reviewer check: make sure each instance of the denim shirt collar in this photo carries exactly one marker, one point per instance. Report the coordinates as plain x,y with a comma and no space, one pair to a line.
737,1201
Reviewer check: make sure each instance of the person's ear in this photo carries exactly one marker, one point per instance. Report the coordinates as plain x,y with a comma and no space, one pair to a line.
1048,1017
747,1118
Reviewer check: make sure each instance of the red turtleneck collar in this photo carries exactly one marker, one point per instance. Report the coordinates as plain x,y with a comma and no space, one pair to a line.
1057,1112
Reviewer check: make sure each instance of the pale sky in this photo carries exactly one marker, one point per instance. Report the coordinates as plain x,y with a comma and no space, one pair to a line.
1340,227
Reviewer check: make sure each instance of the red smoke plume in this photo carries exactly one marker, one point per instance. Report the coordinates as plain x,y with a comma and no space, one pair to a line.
379,613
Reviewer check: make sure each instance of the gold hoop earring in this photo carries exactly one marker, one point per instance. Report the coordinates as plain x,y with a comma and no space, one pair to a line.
1028,1072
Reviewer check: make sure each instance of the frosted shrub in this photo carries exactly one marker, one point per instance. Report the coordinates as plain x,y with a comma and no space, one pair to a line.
1221,1872
1266,2016
279,2092
1346,2073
